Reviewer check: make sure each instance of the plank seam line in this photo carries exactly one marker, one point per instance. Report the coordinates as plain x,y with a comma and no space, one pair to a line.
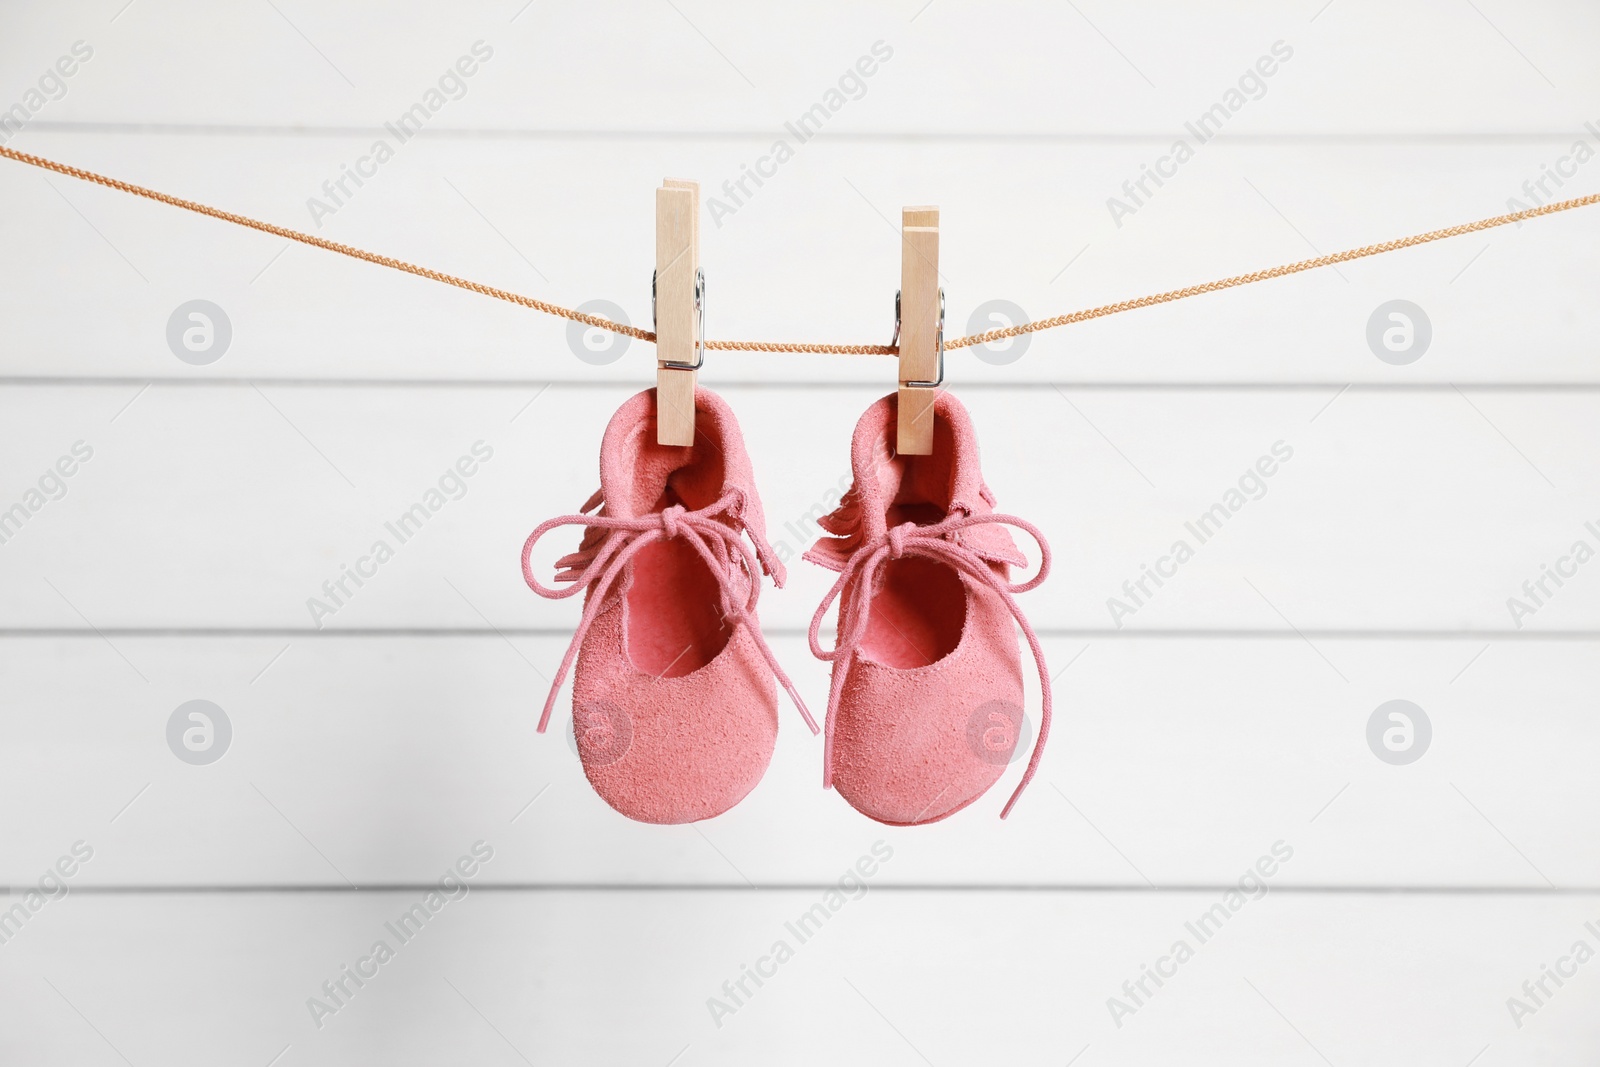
124,381
788,887
932,137
564,632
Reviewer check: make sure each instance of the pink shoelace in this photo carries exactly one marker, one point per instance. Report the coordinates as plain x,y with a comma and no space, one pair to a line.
863,574
600,563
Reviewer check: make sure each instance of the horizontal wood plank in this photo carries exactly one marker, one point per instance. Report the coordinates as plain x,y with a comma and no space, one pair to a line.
234,505
519,978
1003,68
1171,762
812,255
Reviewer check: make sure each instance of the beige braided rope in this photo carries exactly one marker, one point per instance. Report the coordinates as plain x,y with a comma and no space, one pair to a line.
809,349
794,346
331,246
1272,272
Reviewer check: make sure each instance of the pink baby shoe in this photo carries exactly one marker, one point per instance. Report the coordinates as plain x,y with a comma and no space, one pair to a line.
673,701
925,707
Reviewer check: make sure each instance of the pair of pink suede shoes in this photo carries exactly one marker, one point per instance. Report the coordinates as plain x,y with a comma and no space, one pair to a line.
674,704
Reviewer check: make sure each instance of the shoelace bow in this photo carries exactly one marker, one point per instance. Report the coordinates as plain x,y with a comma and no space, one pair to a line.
600,562
863,574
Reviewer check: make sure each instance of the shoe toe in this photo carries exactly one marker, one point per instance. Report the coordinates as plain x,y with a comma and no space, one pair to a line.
914,746
674,750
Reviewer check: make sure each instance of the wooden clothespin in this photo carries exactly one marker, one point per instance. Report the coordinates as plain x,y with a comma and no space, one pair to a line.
678,298
919,330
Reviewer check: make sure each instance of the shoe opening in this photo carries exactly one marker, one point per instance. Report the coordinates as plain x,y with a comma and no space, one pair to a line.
675,622
917,614
920,610
920,488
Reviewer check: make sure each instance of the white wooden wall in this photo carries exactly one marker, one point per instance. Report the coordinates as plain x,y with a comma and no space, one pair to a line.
1226,716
